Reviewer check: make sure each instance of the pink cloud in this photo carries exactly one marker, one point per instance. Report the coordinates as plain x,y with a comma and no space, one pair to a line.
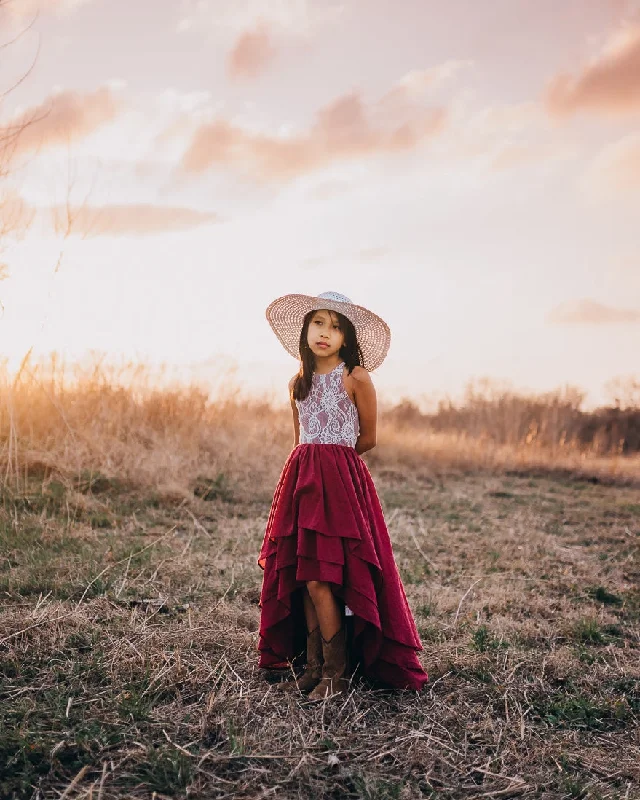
29,8
504,137
128,220
287,17
616,167
412,86
63,117
346,128
609,84
512,155
252,54
590,312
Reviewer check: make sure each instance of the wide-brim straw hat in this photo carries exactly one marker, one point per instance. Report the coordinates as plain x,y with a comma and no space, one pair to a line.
286,316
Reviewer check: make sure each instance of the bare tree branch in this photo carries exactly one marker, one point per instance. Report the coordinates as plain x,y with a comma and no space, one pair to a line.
3,45
23,78
15,215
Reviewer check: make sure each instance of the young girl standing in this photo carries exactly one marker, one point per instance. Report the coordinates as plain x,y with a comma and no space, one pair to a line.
326,553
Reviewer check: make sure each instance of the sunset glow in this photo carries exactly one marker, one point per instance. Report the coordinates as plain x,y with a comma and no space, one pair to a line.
472,177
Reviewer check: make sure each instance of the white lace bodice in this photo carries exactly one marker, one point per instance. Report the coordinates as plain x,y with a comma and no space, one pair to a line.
328,415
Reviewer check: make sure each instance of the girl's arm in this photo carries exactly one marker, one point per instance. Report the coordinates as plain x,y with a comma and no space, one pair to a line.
294,409
367,405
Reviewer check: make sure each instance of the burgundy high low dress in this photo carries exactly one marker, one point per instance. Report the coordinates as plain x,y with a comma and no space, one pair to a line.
326,524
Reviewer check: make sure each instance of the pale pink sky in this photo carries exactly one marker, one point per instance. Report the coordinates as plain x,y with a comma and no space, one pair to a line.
469,170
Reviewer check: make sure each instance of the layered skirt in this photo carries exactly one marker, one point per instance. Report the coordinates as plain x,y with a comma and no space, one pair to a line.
326,524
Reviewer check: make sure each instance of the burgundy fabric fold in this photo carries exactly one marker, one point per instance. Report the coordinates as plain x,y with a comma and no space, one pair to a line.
326,524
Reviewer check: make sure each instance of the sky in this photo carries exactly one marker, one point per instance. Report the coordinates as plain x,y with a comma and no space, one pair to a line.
469,170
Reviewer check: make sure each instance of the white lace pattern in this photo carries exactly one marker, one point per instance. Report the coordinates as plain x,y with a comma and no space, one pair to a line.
328,415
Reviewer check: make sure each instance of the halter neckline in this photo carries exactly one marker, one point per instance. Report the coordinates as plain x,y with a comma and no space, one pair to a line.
324,374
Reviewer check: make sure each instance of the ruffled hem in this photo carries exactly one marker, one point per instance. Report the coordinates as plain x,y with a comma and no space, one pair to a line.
326,524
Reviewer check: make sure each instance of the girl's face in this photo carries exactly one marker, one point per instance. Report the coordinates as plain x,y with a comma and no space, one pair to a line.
324,336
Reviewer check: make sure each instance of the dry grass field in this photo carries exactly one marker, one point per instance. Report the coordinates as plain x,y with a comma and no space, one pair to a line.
130,524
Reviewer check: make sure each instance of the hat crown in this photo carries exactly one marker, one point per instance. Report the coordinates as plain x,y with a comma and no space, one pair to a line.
335,296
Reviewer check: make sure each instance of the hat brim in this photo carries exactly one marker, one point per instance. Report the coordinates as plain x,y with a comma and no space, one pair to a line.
286,314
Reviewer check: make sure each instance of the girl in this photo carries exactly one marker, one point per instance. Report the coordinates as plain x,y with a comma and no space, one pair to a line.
326,553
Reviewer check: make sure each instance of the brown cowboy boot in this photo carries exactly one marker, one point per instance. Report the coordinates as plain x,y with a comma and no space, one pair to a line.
334,669
313,670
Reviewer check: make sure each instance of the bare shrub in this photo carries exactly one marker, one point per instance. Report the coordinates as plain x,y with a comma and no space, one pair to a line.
552,420
134,425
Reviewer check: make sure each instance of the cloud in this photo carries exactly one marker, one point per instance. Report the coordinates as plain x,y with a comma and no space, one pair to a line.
330,188
590,312
511,155
289,17
344,129
609,84
64,5
415,83
29,8
252,54
501,136
498,138
185,24
129,220
507,119
61,118
366,255
616,168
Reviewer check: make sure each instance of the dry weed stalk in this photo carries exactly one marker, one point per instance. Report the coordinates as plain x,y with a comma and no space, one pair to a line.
129,618
123,424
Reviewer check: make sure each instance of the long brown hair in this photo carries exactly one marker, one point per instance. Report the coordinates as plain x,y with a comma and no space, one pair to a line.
350,353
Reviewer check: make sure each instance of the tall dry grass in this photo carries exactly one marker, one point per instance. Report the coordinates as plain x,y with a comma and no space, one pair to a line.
552,420
124,423
129,622
129,423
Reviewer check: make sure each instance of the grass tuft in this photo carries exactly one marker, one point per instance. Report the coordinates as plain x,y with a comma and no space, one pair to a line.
130,523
